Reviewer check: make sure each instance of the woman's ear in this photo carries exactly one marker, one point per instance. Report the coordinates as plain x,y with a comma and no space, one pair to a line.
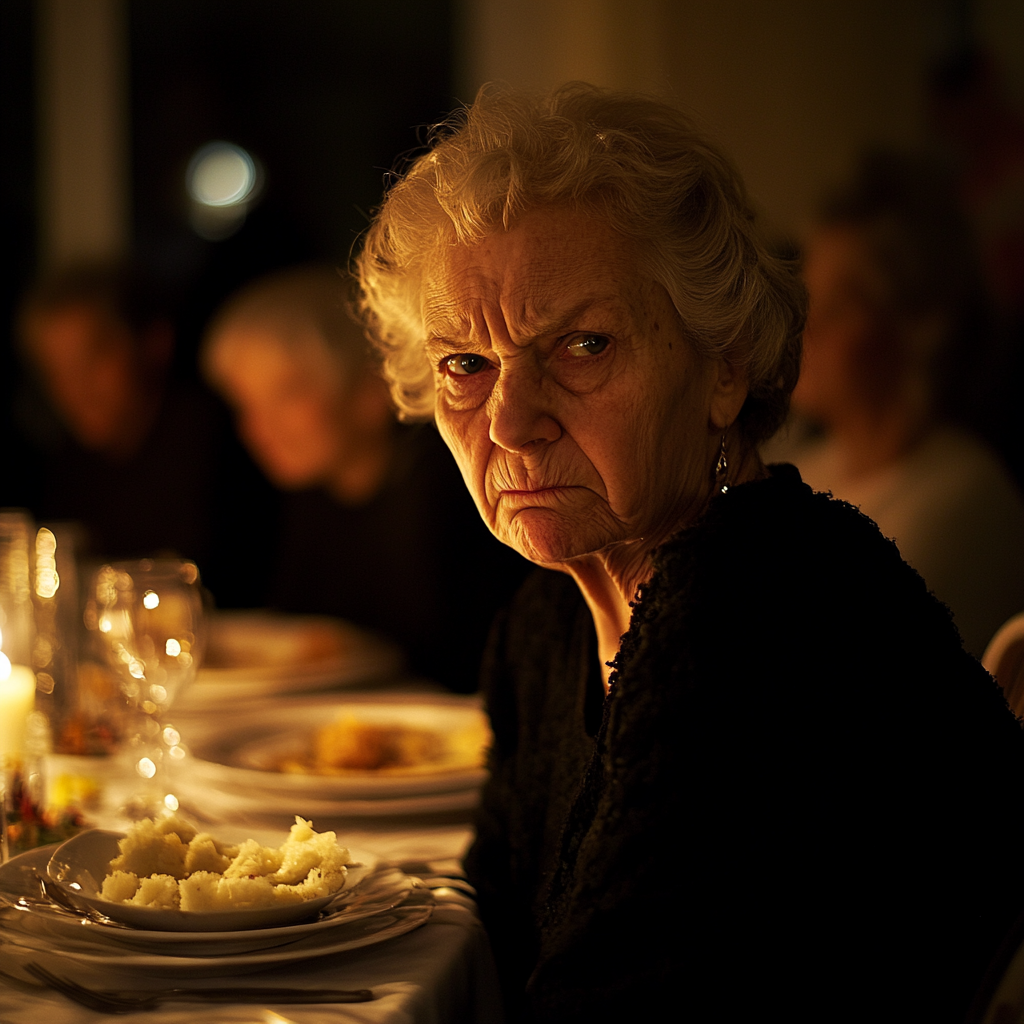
729,392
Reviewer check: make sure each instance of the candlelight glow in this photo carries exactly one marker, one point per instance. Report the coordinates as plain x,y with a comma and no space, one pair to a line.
47,580
5,667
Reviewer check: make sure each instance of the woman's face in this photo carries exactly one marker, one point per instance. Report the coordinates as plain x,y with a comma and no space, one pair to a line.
577,410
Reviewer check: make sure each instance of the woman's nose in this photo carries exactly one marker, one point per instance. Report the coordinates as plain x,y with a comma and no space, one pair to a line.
521,417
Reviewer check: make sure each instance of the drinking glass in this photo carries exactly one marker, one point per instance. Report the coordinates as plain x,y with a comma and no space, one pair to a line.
149,616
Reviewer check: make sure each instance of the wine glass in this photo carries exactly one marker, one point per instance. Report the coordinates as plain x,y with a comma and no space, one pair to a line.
149,616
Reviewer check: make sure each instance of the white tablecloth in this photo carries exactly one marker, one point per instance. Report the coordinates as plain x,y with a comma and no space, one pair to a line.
441,973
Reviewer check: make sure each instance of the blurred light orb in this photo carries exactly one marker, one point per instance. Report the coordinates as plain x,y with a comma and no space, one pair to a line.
223,181
171,802
146,768
172,648
221,174
150,600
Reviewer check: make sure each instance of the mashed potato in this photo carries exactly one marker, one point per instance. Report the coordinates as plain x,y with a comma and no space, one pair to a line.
166,863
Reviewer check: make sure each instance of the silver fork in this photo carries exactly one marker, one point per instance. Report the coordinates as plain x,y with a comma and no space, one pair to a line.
130,1002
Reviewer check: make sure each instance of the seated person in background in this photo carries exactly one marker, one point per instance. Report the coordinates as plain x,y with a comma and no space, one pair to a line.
742,766
894,318
377,527
113,442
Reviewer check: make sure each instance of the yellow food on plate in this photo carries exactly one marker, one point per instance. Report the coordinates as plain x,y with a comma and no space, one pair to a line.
167,863
351,744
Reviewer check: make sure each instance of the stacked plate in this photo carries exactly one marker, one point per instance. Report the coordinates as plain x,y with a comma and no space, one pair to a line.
275,762
256,654
373,907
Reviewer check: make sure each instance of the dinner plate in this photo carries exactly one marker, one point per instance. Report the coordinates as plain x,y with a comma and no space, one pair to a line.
230,805
379,891
247,755
79,866
53,937
63,957
257,654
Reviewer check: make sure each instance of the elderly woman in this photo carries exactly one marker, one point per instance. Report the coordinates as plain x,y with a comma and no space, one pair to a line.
741,761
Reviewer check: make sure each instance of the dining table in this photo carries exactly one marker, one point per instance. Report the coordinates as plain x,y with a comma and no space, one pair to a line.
440,971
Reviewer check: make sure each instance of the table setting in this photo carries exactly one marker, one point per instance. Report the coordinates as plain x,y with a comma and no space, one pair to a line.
241,726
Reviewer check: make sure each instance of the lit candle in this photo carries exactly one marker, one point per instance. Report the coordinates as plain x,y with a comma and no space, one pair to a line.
17,701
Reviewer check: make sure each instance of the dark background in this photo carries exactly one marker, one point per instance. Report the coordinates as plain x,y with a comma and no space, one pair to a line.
325,95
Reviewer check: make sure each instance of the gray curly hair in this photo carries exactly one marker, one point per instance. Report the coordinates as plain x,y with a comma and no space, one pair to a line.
638,163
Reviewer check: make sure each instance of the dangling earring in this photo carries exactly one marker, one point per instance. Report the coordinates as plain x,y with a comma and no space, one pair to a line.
722,470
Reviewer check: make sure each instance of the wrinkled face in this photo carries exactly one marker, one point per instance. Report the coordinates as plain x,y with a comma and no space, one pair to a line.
289,405
574,405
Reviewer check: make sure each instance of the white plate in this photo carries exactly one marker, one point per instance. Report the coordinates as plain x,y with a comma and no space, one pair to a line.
256,654
241,756
378,892
64,957
30,935
79,866
198,799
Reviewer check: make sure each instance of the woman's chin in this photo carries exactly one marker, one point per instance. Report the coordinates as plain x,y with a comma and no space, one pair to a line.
551,538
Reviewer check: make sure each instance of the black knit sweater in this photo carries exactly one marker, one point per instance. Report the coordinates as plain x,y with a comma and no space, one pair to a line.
801,798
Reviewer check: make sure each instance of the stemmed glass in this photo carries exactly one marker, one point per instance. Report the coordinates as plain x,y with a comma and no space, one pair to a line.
149,616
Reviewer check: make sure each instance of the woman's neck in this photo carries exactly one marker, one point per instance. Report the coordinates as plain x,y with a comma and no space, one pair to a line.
609,580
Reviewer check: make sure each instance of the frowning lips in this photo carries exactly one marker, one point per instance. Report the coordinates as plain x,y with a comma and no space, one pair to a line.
511,475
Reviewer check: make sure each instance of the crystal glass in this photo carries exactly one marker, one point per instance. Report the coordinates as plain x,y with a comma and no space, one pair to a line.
149,616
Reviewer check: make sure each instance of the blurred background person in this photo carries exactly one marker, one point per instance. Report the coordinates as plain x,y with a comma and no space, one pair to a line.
897,322
376,527
112,442
978,127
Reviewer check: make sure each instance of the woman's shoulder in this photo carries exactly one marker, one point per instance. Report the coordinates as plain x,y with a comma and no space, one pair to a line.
788,580
777,529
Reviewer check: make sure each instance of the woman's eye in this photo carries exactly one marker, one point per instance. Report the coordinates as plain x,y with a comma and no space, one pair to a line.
587,345
464,364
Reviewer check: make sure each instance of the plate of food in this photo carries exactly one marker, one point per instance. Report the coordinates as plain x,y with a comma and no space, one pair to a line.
255,654
365,747
68,946
380,892
165,875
